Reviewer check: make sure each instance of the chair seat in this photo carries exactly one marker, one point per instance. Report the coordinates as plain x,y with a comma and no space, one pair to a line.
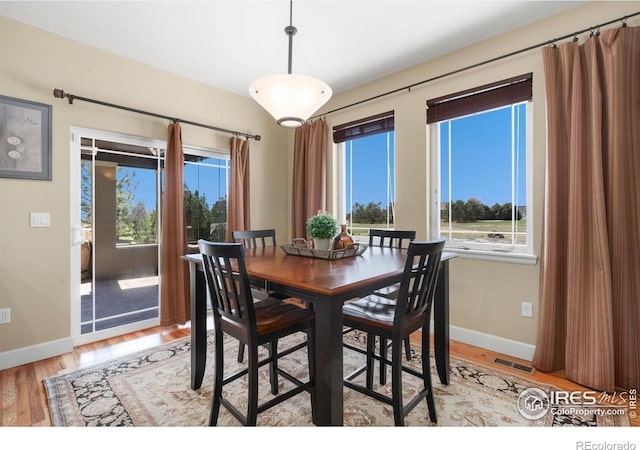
377,312
274,315
273,318
371,308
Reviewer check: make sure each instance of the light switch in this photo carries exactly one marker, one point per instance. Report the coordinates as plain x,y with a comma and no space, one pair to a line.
42,219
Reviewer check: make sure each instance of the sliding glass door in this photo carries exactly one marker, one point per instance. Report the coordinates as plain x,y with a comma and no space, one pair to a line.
116,215
118,231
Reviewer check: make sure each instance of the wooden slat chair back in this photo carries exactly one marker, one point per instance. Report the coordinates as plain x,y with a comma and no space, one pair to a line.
391,238
253,325
255,238
395,321
231,299
418,285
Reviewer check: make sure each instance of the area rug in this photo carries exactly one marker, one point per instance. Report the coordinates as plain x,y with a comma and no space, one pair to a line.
151,388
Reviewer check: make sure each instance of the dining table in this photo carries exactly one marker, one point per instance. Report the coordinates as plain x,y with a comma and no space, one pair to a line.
325,284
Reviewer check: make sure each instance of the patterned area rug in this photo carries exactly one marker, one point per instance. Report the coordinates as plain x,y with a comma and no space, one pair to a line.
151,388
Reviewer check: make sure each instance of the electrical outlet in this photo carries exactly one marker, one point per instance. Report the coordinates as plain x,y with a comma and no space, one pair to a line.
527,309
5,315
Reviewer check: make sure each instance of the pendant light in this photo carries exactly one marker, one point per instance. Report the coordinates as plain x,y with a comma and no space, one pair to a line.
291,99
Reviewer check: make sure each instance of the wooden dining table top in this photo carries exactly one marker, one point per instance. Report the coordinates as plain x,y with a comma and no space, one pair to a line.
326,277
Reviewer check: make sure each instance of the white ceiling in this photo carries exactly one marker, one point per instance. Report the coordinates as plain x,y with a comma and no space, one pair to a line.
229,44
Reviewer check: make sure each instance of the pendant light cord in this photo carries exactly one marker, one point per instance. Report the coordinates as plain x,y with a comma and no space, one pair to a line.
290,31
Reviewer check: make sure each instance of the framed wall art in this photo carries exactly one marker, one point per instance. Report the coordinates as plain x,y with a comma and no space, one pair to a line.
25,139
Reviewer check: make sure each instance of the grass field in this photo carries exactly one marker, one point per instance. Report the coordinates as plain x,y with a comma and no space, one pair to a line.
487,231
482,230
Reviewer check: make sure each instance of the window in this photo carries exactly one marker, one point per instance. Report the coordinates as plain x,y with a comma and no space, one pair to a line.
205,197
480,142
206,181
366,168
120,210
136,209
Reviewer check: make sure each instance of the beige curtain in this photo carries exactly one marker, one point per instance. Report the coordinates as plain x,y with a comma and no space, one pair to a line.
238,205
174,288
590,264
309,174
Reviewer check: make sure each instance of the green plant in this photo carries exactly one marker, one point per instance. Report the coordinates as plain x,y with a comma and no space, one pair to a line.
322,226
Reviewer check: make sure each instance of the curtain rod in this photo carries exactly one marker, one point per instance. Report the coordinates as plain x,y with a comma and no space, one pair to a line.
59,93
595,28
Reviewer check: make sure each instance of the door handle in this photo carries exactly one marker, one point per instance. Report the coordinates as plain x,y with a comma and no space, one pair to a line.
77,236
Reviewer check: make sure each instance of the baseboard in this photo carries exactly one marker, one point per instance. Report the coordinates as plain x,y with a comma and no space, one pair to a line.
26,355
498,344
494,343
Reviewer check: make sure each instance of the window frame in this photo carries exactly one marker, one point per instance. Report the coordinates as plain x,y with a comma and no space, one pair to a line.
209,153
359,129
513,253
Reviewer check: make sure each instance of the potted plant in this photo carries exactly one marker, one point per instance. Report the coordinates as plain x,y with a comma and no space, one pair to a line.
322,228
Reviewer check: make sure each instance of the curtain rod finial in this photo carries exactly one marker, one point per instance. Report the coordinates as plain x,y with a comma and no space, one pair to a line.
59,93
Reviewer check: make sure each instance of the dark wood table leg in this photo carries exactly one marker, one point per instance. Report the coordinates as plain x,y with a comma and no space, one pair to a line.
329,389
198,300
441,323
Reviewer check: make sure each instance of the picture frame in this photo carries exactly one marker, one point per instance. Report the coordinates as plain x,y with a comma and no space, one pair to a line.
25,139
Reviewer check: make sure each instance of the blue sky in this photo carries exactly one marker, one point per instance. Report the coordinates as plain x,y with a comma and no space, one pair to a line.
207,180
481,165
482,161
369,182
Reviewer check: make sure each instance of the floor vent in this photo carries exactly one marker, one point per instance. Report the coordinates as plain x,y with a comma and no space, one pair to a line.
521,367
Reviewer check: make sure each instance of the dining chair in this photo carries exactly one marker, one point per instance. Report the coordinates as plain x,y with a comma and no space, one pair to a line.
254,325
251,238
391,239
256,239
396,320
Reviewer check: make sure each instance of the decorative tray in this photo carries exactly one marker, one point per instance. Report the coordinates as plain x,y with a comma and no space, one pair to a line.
300,247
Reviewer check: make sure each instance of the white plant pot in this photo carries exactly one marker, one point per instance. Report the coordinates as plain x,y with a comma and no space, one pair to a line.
322,244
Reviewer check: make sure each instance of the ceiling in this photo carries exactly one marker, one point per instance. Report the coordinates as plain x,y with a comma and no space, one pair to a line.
229,44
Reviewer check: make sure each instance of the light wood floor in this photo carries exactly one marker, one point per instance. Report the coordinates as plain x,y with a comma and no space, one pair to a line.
23,400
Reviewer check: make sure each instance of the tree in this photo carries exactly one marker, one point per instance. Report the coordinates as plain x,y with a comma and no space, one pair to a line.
505,212
371,213
198,215
85,192
125,186
458,212
444,213
473,210
218,228
496,210
144,224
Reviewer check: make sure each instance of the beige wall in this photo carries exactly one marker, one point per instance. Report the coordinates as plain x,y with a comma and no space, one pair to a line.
34,262
485,295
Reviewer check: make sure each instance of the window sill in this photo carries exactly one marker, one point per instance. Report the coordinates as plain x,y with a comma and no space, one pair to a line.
496,256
